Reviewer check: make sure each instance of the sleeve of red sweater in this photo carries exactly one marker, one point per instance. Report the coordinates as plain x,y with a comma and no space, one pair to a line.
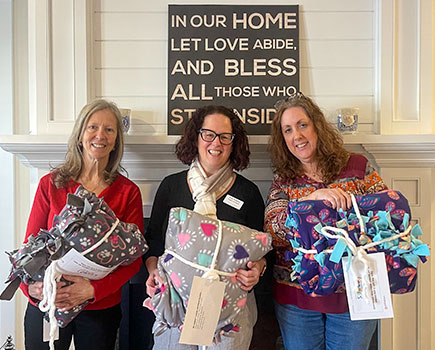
123,198
126,202
39,213
38,218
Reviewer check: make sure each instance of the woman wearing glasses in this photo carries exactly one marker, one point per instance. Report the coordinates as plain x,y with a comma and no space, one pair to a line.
213,144
310,163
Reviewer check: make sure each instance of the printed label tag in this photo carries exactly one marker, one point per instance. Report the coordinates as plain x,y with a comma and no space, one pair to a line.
46,331
73,263
203,311
379,305
233,202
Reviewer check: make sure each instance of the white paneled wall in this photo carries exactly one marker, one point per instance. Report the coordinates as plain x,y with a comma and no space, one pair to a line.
336,49
58,64
62,67
7,181
406,73
412,312
366,54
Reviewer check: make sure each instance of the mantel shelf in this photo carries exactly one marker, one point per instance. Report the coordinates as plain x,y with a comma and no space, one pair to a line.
41,151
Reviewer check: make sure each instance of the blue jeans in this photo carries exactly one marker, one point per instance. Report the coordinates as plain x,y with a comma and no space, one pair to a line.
306,329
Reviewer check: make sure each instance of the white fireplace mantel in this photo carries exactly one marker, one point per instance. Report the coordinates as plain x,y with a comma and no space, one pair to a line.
144,152
149,158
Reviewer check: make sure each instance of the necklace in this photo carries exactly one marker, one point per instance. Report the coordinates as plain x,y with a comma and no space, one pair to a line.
315,175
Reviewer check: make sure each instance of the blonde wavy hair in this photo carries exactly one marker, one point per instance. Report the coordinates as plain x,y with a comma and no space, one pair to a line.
73,165
330,153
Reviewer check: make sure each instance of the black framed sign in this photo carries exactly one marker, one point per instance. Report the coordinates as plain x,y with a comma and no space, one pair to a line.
243,57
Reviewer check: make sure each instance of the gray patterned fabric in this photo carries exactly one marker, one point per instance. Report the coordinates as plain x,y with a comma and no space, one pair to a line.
193,236
83,221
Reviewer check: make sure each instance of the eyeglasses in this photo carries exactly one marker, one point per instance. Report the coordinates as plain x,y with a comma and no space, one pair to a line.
226,138
295,96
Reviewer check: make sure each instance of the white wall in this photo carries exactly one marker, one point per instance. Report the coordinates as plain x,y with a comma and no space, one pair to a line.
367,54
129,53
7,199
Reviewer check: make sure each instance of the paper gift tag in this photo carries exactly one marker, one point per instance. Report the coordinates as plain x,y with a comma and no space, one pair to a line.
380,305
203,311
73,263
46,331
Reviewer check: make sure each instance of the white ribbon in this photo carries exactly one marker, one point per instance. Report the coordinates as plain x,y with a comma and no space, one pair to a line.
361,262
51,277
210,272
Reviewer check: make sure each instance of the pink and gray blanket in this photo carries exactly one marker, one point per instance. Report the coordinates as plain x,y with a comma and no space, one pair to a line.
82,223
193,237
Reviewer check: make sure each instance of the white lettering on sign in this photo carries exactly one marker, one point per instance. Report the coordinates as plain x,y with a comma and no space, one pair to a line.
199,67
260,67
209,21
237,91
260,20
180,92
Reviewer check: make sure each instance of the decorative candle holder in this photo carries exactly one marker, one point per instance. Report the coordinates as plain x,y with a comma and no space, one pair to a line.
125,114
347,120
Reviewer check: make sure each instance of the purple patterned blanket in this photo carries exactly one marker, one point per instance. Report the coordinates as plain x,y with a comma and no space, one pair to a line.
385,214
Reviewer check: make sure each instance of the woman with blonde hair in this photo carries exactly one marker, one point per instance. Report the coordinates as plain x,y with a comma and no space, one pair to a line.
95,149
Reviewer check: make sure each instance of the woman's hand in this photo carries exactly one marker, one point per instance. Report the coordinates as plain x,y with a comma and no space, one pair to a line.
75,294
154,280
336,196
249,278
35,290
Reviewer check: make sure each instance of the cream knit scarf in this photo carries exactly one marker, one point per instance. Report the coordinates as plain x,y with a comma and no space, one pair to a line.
207,189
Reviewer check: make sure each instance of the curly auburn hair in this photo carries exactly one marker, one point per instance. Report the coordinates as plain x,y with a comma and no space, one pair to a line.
330,153
186,149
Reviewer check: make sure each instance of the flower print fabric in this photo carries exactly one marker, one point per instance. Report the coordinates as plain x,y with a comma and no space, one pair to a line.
82,223
385,214
194,237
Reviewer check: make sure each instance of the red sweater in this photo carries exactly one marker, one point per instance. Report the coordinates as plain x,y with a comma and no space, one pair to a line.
123,197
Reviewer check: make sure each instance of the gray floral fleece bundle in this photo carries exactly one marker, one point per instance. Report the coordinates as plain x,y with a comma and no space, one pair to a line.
191,241
83,222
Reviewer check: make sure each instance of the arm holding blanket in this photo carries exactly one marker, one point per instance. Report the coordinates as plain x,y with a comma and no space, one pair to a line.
93,167
164,200
125,200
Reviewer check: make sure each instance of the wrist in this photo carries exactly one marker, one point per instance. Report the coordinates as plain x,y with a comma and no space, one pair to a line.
151,264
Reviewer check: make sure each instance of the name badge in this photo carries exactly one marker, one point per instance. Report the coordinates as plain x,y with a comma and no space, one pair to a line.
203,311
377,302
233,202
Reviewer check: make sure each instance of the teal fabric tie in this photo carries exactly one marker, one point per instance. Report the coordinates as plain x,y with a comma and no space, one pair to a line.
338,251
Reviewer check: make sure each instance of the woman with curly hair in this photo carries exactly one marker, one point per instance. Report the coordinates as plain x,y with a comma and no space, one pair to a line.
214,144
310,163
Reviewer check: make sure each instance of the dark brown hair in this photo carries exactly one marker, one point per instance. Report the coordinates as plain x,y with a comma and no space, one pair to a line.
187,148
330,153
